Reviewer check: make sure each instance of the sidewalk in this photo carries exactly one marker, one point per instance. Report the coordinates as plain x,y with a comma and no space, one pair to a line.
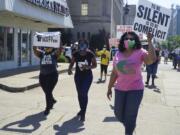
24,79
160,110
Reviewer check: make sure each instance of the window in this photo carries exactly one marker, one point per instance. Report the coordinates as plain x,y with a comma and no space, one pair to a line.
24,47
6,44
78,35
83,35
84,9
10,44
89,36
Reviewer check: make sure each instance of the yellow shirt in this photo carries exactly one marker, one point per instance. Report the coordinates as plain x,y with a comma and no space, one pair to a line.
105,56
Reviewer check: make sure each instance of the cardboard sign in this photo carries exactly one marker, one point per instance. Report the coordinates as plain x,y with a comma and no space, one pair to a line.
47,39
152,18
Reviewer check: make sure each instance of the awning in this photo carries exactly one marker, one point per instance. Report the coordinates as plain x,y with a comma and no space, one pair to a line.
50,15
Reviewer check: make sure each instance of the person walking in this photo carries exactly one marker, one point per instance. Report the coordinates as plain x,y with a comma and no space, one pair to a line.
152,70
126,73
105,57
85,62
48,76
166,55
174,60
178,58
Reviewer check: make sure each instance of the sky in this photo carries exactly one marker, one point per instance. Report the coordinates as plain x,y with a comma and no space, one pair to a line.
163,3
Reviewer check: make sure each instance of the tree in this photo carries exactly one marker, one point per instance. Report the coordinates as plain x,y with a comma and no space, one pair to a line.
66,37
100,39
171,43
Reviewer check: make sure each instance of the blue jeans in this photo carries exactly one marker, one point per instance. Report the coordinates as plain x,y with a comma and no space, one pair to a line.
126,108
83,83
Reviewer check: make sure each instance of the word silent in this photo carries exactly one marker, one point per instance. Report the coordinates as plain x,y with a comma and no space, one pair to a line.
152,15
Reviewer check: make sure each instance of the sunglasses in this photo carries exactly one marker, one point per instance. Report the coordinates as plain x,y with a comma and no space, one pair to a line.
128,38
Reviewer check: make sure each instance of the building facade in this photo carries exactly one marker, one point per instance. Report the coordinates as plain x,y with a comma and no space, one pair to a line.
19,20
174,28
90,16
176,21
129,14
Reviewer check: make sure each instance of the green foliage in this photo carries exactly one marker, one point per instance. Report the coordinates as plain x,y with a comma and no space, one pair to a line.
62,59
171,43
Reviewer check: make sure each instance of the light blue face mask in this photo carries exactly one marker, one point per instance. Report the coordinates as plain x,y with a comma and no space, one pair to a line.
83,47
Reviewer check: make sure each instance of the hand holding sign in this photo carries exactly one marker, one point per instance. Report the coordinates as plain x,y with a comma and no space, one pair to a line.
149,37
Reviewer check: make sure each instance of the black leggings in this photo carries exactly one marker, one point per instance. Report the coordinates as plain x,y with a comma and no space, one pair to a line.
83,84
48,82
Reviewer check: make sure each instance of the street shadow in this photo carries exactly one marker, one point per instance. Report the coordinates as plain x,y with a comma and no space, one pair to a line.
112,107
100,81
71,126
154,88
157,90
110,119
35,77
28,125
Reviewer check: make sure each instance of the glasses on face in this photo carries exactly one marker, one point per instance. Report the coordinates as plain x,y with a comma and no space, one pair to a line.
126,38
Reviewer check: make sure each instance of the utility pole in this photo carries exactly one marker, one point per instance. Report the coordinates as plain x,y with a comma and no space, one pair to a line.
112,17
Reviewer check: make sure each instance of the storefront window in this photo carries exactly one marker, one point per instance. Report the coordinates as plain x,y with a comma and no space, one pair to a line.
10,44
2,53
6,44
24,47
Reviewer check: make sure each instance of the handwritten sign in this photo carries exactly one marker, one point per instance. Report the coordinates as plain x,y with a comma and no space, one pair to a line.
47,39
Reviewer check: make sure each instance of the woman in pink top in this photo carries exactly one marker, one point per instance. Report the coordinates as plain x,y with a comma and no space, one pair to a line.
127,75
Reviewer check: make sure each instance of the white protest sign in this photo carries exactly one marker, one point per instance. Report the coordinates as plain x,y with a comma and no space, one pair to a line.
47,39
152,18
121,29
113,42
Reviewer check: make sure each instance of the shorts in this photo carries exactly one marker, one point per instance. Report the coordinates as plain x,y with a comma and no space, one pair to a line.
104,68
152,69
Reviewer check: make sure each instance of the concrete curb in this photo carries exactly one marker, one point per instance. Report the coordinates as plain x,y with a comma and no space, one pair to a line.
22,89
